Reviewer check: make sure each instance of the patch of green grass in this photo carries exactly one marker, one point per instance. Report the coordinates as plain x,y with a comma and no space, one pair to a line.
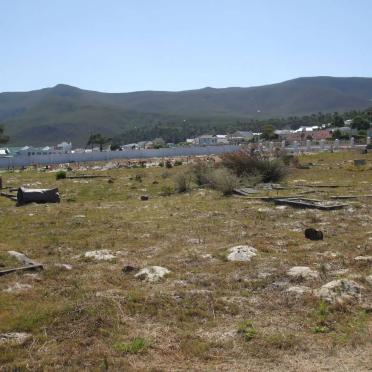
137,345
247,330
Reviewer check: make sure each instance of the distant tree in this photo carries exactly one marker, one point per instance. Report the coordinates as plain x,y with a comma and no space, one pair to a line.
3,137
360,123
158,143
98,139
268,132
338,120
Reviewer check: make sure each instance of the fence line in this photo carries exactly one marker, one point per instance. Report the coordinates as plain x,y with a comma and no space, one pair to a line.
19,161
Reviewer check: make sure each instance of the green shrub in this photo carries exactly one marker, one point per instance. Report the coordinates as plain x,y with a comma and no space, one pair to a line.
223,180
168,164
167,190
61,175
271,170
183,181
177,163
246,164
200,171
247,330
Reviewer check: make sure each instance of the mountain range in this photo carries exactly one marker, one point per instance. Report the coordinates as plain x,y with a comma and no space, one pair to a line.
63,112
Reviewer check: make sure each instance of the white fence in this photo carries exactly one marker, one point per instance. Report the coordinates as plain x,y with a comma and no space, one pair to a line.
19,161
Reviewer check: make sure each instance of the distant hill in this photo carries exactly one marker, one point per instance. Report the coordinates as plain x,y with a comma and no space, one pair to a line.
64,112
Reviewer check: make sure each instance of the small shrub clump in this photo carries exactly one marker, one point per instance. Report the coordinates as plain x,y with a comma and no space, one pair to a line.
183,182
222,179
61,175
247,330
248,163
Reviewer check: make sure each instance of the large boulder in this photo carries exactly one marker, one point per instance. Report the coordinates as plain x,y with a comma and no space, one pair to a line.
302,272
152,273
340,290
241,253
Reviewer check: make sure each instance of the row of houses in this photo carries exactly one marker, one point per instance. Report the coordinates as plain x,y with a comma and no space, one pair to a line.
62,148
223,139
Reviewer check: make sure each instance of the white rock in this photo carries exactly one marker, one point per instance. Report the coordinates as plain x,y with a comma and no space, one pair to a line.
338,290
18,287
102,255
14,338
298,290
369,279
152,273
302,272
363,259
63,266
241,253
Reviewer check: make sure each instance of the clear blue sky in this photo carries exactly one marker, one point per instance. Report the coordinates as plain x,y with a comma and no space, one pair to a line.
122,45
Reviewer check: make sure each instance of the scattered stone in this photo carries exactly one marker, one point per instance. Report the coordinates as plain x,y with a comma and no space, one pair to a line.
144,197
14,338
302,272
298,290
63,266
129,269
363,259
102,255
241,253
339,290
80,216
313,234
195,241
152,273
329,254
369,279
281,207
339,272
18,287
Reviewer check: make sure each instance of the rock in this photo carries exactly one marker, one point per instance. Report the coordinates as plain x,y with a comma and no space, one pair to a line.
102,255
144,197
195,241
313,234
129,269
298,290
363,259
152,273
241,253
18,287
14,338
302,272
339,290
63,266
369,279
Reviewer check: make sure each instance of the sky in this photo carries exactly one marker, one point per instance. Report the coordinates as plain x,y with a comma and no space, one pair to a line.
131,45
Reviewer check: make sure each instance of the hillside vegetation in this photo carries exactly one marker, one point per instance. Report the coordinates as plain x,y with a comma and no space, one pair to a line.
68,113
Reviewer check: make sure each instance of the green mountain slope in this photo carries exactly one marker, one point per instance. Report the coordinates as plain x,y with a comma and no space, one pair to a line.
67,113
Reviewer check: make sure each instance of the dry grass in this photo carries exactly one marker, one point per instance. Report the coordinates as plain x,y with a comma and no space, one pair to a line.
95,317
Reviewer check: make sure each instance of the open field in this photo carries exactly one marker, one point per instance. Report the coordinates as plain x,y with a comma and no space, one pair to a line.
208,313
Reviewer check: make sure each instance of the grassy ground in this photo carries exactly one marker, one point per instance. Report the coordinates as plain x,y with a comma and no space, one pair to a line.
208,314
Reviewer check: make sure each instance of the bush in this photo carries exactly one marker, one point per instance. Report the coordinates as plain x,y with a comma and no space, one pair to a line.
223,180
200,171
61,175
246,164
247,330
166,190
271,170
183,181
168,164
177,163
